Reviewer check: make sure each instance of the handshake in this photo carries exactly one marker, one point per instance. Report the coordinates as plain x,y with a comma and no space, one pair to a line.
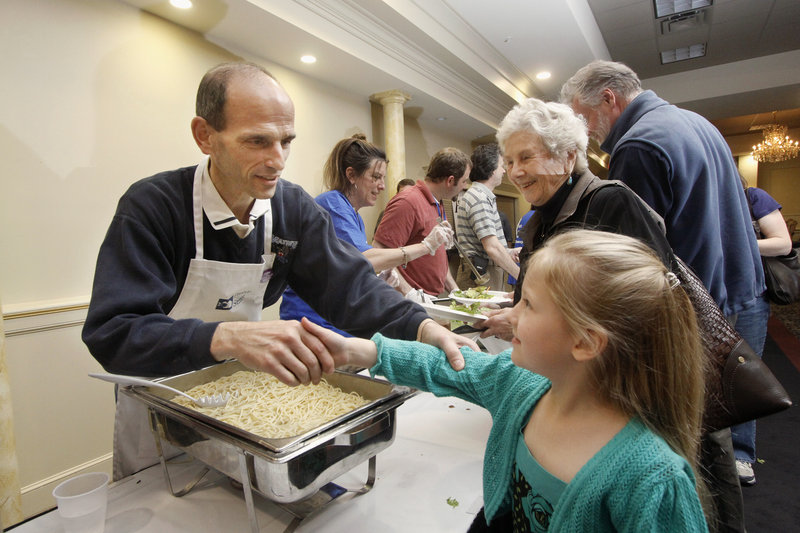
441,234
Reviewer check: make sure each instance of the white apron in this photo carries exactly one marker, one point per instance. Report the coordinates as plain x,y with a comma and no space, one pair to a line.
214,291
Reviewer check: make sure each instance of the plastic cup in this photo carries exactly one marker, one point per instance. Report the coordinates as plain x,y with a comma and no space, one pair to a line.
82,502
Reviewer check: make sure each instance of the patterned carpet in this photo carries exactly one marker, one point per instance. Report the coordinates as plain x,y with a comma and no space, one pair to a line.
789,315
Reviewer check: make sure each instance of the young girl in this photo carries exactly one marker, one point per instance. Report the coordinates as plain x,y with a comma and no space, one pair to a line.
596,408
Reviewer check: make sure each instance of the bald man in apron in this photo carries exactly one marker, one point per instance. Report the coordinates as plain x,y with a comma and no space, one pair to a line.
193,255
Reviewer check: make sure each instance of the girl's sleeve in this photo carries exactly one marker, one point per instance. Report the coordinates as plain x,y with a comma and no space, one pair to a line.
482,381
672,505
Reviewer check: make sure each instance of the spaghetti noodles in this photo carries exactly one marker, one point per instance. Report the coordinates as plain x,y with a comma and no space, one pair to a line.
264,406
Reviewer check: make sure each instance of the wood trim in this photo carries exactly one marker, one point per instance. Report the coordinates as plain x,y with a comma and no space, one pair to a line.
42,312
44,318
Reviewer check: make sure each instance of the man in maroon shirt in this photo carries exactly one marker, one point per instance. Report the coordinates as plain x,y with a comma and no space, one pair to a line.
411,215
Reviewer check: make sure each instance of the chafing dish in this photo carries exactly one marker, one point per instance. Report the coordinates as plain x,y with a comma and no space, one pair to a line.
291,471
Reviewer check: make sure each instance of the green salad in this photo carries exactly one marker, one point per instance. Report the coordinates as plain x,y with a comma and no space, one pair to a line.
475,293
473,308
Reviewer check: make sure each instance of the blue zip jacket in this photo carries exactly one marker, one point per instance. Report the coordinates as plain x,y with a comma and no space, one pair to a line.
679,163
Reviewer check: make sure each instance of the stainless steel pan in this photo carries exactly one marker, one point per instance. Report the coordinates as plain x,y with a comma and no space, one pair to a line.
283,470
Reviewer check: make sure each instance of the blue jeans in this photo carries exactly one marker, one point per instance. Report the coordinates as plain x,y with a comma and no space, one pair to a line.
752,326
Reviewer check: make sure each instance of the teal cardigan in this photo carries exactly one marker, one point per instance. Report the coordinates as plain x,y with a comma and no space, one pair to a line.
635,483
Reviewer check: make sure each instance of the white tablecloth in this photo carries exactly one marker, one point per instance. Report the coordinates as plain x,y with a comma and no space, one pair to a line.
437,455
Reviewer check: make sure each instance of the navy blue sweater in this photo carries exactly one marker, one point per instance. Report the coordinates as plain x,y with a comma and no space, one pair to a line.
679,163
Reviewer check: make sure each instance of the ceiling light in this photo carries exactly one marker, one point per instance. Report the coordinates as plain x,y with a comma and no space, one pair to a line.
665,8
681,54
181,4
308,59
776,146
543,75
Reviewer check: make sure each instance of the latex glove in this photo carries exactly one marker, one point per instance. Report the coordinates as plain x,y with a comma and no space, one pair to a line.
451,239
391,277
419,296
439,235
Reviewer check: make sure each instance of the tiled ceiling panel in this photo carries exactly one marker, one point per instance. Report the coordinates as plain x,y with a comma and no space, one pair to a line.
735,30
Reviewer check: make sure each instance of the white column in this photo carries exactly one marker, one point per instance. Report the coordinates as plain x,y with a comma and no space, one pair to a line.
394,135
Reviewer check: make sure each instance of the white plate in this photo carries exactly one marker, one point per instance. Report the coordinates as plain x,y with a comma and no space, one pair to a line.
443,312
497,297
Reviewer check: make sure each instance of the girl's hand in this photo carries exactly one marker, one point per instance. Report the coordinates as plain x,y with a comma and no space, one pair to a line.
436,335
344,350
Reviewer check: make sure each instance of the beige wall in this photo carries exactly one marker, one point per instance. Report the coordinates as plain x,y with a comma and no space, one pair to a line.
105,100
781,180
97,95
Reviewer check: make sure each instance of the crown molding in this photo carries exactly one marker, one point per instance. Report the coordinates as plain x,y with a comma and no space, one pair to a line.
441,22
386,40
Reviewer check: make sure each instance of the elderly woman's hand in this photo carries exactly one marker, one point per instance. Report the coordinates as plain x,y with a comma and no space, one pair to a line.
498,324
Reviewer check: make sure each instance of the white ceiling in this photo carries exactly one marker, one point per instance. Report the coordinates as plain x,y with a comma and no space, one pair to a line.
470,61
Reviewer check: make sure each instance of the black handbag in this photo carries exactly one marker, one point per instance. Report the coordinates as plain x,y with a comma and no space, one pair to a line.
739,386
782,275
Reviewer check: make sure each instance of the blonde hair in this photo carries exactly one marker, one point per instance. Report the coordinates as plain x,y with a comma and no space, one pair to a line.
652,366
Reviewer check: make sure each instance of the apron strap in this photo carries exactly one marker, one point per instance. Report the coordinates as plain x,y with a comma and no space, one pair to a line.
197,207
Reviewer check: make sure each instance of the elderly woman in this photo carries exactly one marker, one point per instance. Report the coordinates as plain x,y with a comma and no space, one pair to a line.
544,148
355,175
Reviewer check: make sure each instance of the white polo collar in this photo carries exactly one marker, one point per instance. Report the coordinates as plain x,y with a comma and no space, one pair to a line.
221,216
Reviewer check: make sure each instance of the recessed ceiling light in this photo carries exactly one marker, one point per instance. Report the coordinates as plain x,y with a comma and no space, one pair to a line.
308,59
181,4
681,54
543,75
441,118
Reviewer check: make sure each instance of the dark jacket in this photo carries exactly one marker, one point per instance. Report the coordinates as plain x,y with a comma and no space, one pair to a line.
612,208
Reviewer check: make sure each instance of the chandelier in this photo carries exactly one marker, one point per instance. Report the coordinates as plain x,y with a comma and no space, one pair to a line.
776,146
